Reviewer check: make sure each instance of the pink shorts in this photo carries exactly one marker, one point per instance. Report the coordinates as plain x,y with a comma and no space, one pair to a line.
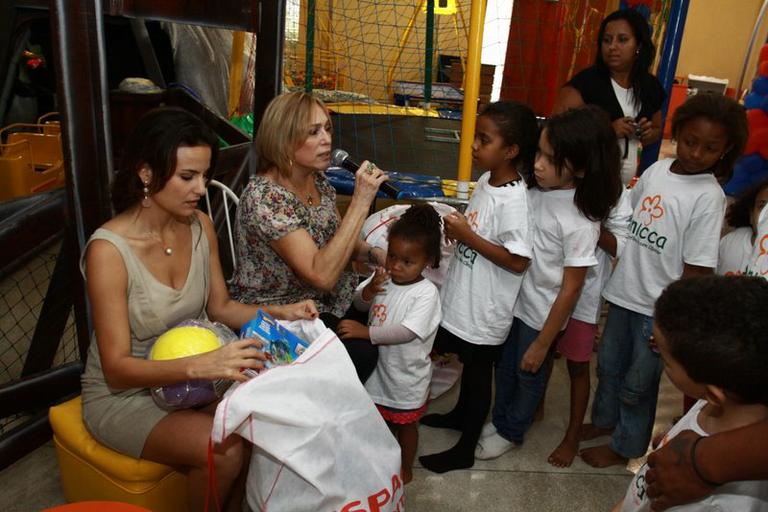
577,341
401,416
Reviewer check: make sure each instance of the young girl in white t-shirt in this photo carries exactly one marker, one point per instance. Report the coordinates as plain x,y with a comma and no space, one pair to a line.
404,312
679,207
578,340
493,247
576,184
736,246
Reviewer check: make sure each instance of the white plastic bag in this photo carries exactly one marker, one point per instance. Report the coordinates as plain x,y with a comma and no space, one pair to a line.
319,442
446,371
376,229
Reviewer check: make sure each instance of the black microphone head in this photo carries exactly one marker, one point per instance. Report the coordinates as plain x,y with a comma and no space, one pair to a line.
338,156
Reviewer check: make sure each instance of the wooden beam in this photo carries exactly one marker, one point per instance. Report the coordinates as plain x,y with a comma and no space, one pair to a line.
77,28
233,14
269,57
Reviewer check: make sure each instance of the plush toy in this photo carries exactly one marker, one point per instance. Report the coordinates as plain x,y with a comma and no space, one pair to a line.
750,170
757,119
762,69
760,85
753,166
189,338
752,100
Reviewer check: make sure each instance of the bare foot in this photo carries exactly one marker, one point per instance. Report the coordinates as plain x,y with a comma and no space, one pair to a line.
601,457
407,476
563,455
589,431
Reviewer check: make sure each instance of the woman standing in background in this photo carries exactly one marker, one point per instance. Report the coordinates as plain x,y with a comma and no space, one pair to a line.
620,83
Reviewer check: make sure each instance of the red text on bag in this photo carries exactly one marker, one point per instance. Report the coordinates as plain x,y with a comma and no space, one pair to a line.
375,502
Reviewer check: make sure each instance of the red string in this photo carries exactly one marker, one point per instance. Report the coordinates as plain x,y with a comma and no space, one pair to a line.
211,488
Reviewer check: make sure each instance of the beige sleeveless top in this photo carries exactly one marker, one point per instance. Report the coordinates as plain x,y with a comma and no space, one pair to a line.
122,419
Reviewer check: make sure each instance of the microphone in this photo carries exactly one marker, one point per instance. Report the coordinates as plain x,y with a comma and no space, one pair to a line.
340,158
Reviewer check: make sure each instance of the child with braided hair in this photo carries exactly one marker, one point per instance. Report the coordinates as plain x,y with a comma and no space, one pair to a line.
404,313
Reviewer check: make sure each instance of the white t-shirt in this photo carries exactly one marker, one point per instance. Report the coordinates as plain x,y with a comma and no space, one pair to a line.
626,99
735,252
402,374
588,307
479,296
676,219
562,237
742,496
758,262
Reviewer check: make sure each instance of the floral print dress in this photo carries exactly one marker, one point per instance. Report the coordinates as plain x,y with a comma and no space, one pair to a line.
268,212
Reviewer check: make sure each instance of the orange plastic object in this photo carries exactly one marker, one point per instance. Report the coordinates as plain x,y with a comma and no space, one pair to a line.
31,158
677,98
50,123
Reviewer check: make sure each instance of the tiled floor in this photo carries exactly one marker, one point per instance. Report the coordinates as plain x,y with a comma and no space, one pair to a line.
520,480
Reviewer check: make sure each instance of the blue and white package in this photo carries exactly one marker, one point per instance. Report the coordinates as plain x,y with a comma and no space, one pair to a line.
283,346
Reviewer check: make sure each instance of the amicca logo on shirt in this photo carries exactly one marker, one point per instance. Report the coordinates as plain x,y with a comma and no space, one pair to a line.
378,315
760,265
651,209
472,220
642,225
464,253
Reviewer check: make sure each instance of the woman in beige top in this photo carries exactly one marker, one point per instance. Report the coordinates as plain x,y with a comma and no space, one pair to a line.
154,264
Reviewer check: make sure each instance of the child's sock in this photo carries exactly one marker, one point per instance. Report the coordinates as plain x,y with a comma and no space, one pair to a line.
468,416
449,460
488,430
455,419
450,420
493,446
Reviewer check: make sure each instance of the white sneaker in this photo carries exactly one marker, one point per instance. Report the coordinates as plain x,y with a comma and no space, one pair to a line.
488,430
492,447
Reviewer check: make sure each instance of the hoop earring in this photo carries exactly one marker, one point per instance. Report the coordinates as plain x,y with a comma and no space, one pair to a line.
145,202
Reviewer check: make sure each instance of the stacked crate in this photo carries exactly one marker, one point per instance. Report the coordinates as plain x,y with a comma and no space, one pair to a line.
456,78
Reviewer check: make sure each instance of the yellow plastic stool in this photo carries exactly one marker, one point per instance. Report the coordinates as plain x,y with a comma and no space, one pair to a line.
91,471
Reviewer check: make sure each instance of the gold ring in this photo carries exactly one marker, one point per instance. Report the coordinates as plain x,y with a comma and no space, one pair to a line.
369,168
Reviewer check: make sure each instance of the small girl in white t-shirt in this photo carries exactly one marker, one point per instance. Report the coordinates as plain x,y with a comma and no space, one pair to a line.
404,312
736,246
576,185
678,209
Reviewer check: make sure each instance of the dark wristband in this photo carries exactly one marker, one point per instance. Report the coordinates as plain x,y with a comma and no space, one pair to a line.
696,468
